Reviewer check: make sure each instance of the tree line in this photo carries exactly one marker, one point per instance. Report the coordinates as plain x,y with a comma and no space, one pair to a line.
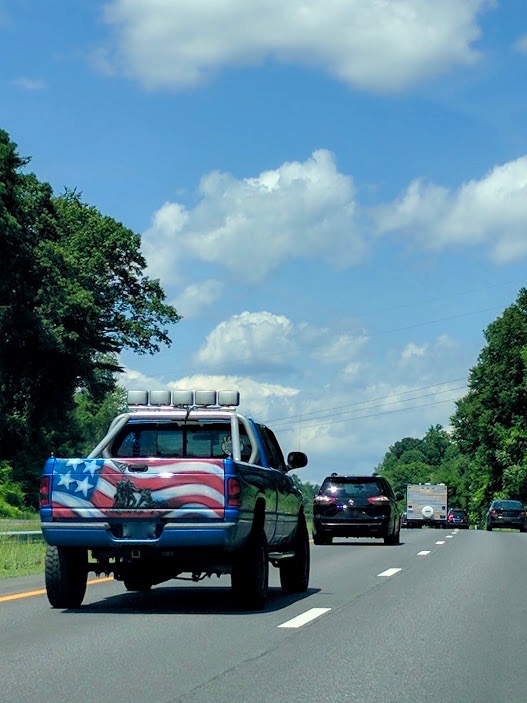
484,456
73,295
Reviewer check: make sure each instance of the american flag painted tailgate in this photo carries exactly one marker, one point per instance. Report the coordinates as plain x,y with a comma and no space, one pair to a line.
167,488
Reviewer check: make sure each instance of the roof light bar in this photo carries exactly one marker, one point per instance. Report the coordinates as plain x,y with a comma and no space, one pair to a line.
183,399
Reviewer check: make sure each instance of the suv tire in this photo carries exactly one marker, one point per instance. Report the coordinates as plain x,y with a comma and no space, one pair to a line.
66,574
322,538
393,539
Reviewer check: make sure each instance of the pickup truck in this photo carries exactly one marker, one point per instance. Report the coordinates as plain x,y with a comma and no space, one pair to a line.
182,483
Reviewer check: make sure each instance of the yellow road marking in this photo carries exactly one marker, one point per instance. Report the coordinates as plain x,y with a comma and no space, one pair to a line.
42,591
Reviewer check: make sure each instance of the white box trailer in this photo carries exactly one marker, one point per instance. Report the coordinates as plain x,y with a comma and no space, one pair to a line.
426,504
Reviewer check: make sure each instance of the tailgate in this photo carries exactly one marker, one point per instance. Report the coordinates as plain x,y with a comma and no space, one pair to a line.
138,488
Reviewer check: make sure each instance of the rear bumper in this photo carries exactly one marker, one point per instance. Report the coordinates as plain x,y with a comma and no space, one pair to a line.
510,523
99,535
350,528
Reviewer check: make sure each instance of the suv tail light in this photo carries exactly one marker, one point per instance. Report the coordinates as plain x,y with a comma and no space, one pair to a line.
325,499
234,491
44,493
493,512
378,499
522,514
450,518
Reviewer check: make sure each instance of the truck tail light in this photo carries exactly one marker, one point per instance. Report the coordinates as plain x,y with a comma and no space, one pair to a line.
233,493
44,493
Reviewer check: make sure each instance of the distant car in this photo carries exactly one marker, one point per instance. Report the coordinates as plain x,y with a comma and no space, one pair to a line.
356,506
506,513
457,517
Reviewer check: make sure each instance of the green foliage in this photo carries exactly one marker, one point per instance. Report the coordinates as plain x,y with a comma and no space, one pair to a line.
72,296
490,422
309,490
92,418
435,458
12,498
486,457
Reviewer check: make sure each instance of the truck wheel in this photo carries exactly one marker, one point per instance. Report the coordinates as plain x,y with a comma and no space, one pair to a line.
66,576
136,583
250,572
294,572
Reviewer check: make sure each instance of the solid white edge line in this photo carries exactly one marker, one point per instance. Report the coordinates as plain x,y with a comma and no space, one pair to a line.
389,572
306,617
423,553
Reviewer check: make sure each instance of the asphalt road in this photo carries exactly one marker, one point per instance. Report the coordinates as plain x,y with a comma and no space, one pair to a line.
446,625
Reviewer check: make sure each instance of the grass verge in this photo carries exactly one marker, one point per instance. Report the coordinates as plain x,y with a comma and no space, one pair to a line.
21,558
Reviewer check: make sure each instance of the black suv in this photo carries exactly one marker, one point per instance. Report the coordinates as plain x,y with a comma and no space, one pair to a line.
458,517
356,506
506,513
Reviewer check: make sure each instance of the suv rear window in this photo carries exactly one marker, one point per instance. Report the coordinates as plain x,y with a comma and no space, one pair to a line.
355,488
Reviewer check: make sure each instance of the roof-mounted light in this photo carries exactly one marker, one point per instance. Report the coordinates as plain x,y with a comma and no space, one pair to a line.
160,398
205,397
183,399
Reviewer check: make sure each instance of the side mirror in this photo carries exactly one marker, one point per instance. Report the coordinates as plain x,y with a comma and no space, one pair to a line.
296,460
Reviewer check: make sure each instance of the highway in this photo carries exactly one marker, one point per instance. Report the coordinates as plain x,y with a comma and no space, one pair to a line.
441,617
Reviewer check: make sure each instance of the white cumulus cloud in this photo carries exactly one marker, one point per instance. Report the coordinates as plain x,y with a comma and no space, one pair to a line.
377,45
259,341
491,211
191,301
252,225
521,44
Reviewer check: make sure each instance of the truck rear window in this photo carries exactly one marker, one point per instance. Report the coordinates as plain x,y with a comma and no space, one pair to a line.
202,440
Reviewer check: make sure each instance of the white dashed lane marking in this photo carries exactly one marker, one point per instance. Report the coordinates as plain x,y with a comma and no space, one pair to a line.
423,553
449,536
389,572
306,617
440,541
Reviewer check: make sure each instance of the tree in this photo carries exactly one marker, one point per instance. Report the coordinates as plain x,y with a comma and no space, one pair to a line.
74,295
490,422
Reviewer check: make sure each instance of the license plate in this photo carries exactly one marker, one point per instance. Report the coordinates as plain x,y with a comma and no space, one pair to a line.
139,530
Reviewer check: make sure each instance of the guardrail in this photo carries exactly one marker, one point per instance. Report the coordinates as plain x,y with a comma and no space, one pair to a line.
23,535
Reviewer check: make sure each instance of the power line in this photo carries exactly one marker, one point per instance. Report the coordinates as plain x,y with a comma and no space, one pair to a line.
362,417
394,402
364,402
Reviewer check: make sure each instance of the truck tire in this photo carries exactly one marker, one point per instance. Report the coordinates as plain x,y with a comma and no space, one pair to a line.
250,572
66,576
136,583
294,572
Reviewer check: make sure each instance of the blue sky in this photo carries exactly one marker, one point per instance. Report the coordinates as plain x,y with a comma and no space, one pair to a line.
333,193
